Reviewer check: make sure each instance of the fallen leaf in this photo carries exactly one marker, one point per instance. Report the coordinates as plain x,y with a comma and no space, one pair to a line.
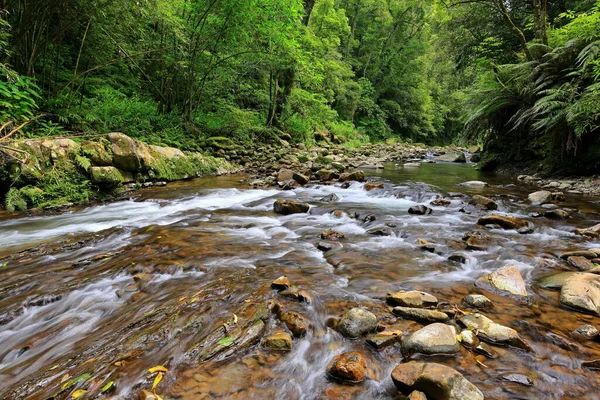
78,394
53,368
107,387
157,380
158,368
226,341
235,319
81,378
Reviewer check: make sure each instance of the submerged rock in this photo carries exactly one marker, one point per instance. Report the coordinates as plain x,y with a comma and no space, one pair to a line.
281,283
437,381
587,332
506,280
580,263
420,314
582,292
327,246
330,198
473,184
287,207
351,367
372,186
436,338
383,339
356,322
490,331
412,298
517,378
593,231
297,323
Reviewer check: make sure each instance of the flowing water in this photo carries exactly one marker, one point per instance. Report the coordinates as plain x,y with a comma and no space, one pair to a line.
69,307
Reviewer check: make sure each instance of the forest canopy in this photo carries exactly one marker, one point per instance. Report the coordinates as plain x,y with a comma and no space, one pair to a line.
176,72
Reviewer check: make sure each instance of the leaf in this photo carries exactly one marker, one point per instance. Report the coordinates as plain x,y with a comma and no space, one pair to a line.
53,368
157,380
158,368
459,338
107,387
81,378
78,394
235,319
226,341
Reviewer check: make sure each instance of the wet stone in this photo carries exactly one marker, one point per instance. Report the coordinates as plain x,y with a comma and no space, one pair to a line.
416,395
278,341
297,323
419,210
440,202
380,232
588,254
435,380
412,298
505,280
582,292
485,350
483,202
436,338
146,395
586,332
493,332
505,222
330,198
327,246
281,283
478,301
420,314
594,364
469,339
356,322
330,234
372,186
457,257
556,214
383,339
351,367
517,378
580,263
287,207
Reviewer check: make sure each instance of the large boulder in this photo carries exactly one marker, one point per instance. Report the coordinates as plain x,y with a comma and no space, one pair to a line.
483,202
506,222
287,207
357,175
124,150
411,298
106,176
351,367
505,280
437,381
492,332
453,156
356,322
582,292
97,153
436,338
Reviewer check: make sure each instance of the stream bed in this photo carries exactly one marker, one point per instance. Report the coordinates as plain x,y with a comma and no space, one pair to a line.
204,254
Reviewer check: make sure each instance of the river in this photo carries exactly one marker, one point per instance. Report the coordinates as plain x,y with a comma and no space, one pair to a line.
72,317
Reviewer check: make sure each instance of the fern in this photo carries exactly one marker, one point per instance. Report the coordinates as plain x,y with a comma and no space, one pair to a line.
14,201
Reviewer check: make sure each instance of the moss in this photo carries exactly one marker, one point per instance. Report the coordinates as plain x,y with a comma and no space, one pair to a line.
14,201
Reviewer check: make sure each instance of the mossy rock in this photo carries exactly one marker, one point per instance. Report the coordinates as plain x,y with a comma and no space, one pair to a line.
124,152
106,176
97,153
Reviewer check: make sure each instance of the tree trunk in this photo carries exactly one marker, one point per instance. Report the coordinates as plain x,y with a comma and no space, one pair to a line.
540,15
308,7
504,11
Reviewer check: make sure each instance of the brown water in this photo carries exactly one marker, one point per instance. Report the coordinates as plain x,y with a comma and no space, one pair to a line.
69,305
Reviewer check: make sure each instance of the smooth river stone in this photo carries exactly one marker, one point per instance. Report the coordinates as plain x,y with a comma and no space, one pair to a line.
420,314
492,332
582,292
412,298
506,280
436,338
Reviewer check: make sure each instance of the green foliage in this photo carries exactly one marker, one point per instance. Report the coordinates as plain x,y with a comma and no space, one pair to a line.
14,201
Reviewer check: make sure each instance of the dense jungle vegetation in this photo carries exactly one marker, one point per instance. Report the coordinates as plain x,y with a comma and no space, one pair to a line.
521,77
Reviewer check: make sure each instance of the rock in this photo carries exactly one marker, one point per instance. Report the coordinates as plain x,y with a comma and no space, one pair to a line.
357,175
301,179
351,367
517,378
556,214
296,323
97,153
580,263
489,331
416,395
593,231
411,165
278,341
380,232
436,338
371,186
287,207
473,184
437,381
589,254
420,210
281,283
478,301
483,202
474,149
478,243
458,257
595,364
504,280
384,339
469,339
505,222
124,151
582,292
356,322
420,314
556,281
327,175
330,234
540,197
453,156
284,175
484,349
440,202
327,246
146,395
330,198
558,196
412,298
106,176
587,332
